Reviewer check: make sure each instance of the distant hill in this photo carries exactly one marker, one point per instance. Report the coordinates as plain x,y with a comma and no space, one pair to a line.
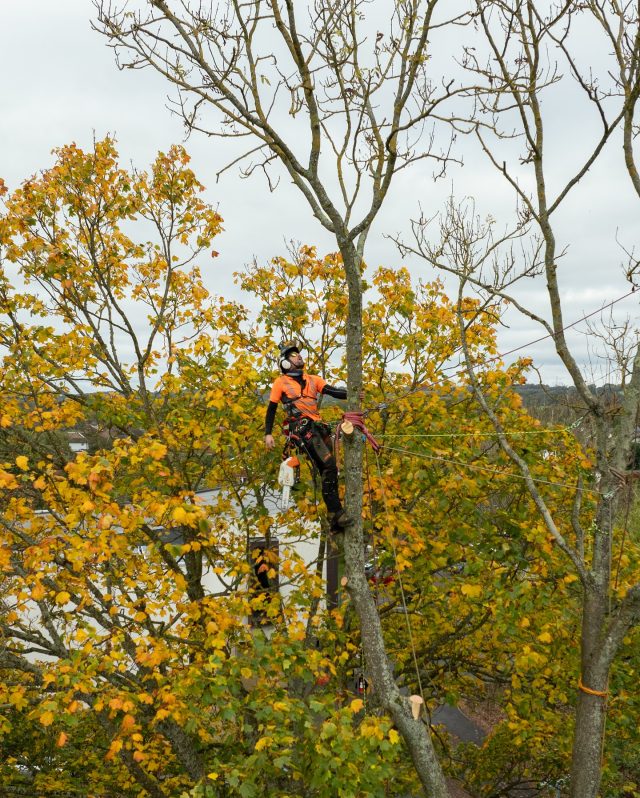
544,395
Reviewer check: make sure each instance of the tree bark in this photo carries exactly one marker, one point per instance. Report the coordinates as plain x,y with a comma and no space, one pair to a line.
591,713
415,732
591,710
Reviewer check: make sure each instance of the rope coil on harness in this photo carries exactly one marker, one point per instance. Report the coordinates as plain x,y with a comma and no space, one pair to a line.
589,691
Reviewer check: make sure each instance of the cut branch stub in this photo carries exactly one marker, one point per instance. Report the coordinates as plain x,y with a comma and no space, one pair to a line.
416,702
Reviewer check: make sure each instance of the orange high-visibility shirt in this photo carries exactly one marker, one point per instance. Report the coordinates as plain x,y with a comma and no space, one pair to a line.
286,389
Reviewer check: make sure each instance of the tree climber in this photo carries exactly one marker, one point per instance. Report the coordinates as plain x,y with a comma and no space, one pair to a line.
298,392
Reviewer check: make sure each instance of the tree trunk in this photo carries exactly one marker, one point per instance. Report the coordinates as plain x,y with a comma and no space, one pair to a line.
591,710
586,764
415,732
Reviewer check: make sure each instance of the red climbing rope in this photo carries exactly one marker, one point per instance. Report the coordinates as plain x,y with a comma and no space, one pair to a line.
356,418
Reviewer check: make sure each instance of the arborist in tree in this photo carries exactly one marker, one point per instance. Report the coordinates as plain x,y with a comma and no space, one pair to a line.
299,392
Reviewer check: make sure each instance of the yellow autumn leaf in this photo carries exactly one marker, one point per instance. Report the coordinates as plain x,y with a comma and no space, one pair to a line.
356,705
545,637
128,722
263,742
156,450
18,699
472,591
47,718
212,776
22,462
62,739
63,597
179,515
394,737
7,480
38,592
114,748
106,521
371,729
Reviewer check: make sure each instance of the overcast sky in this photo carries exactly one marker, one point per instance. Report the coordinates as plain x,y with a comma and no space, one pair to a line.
59,83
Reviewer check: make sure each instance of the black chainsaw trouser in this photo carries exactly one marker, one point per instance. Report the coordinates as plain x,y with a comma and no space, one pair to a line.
314,439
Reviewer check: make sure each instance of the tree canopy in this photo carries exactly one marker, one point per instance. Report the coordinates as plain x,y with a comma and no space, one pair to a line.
128,572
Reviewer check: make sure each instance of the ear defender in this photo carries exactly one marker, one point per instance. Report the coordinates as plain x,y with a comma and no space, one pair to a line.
286,348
